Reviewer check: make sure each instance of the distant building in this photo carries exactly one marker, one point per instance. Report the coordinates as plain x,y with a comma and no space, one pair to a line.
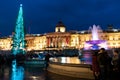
61,39
5,43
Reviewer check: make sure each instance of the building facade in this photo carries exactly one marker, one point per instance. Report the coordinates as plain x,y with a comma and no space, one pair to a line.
5,43
61,39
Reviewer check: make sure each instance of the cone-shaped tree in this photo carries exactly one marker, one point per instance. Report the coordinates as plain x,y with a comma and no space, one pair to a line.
18,45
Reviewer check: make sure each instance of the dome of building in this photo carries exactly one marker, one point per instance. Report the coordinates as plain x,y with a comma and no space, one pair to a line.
60,24
60,27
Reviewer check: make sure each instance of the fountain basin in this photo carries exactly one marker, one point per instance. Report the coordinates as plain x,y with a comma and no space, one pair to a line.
76,69
95,41
73,70
35,62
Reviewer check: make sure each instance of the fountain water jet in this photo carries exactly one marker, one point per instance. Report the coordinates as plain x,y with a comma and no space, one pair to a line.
96,42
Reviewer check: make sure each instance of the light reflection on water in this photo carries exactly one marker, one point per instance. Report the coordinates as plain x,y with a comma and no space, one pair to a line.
32,73
72,60
20,72
17,71
25,73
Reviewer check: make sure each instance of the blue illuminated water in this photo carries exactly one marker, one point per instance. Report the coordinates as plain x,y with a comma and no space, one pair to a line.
17,72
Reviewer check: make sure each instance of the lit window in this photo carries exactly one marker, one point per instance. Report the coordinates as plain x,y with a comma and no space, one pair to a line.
108,43
114,43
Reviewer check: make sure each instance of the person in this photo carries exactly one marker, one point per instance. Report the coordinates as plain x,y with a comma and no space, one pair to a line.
2,59
104,62
95,66
115,63
47,56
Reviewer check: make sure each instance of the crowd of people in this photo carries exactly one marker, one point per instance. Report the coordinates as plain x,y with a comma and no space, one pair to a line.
104,66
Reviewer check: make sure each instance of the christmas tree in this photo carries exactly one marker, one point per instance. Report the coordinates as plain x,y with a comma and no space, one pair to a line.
18,46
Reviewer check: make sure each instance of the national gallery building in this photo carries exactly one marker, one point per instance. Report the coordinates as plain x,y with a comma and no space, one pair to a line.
61,39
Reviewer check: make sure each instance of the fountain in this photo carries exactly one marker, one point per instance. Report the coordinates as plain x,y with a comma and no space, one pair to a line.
72,66
96,43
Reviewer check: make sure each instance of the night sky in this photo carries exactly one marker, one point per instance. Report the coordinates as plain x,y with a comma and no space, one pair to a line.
41,16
